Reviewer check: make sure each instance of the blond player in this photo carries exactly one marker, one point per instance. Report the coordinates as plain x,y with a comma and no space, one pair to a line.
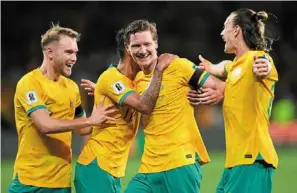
47,108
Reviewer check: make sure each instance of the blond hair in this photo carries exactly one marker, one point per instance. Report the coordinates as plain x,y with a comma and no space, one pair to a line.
55,33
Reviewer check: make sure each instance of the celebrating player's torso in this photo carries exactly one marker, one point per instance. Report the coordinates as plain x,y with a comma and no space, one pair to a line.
247,113
35,150
171,130
111,144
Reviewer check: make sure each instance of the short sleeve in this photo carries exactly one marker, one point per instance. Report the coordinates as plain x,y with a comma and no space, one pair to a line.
30,94
186,68
115,86
227,67
79,111
203,78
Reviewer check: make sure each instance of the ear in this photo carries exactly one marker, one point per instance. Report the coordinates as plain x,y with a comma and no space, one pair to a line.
127,49
237,31
156,42
49,52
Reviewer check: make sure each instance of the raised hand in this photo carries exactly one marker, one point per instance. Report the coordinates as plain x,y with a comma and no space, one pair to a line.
88,85
204,64
164,60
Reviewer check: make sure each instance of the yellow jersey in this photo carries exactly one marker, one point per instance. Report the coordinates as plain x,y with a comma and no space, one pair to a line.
44,160
110,145
171,133
246,110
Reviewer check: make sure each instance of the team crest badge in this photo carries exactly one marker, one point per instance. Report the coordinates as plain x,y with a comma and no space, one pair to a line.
31,97
236,72
118,87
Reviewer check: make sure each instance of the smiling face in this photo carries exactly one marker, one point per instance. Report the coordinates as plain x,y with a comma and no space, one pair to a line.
63,53
143,48
229,34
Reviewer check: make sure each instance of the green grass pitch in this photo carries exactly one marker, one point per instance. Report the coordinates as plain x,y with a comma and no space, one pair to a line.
285,178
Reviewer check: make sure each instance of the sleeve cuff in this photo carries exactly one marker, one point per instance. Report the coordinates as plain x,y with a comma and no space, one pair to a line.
125,96
203,79
36,108
80,114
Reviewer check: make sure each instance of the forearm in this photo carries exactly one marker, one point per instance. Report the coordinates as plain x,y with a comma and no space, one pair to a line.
59,126
215,83
219,69
150,96
83,131
220,86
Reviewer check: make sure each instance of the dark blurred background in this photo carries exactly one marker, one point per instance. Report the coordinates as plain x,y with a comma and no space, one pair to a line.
185,28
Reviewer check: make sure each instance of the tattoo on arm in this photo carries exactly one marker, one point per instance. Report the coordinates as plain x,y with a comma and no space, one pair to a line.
150,96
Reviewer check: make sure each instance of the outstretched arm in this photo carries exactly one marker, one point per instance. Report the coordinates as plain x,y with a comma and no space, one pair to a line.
261,67
214,69
46,124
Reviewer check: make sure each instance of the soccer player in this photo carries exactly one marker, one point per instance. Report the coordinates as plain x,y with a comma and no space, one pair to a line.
46,102
103,160
250,154
172,138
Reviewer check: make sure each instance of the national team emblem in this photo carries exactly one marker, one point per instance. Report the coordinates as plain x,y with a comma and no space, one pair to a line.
31,97
236,72
118,87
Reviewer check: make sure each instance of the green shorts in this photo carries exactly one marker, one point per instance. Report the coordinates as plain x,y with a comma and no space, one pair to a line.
185,179
92,179
17,187
255,178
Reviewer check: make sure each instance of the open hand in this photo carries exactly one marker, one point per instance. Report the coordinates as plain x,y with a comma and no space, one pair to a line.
102,114
164,60
88,85
204,64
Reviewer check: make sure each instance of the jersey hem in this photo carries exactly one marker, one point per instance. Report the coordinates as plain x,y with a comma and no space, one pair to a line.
42,185
142,171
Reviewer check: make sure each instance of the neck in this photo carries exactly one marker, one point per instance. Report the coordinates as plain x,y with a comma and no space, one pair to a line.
128,67
241,49
48,70
151,67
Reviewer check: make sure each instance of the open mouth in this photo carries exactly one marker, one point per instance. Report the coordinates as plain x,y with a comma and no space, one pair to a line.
143,57
69,65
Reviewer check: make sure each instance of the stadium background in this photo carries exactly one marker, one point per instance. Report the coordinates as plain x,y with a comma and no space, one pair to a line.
186,29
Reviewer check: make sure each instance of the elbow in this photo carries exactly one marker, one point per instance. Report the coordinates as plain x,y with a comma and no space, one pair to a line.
44,129
85,131
143,107
146,110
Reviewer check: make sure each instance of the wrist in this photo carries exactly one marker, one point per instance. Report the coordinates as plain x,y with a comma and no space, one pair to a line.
158,70
88,122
